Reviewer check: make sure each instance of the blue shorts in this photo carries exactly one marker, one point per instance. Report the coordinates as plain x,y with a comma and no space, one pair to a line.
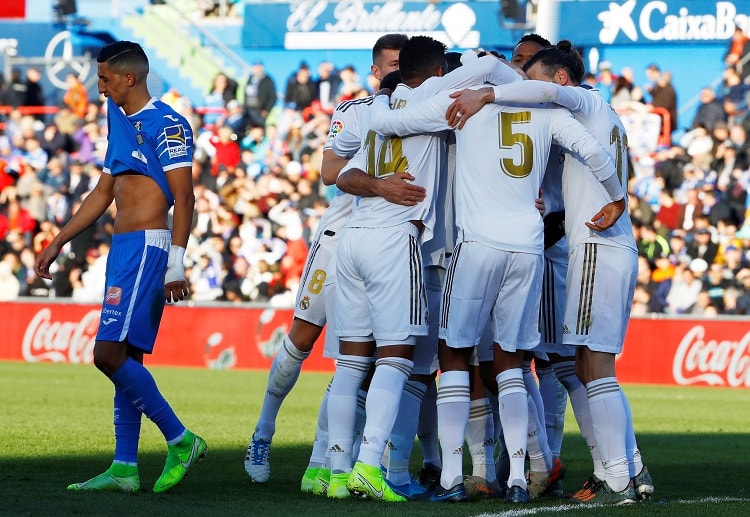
134,292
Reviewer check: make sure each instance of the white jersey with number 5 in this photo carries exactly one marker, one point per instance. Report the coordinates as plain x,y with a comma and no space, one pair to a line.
501,156
583,200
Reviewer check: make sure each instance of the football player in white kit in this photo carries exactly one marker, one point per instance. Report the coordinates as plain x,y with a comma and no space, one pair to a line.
601,275
495,273
313,303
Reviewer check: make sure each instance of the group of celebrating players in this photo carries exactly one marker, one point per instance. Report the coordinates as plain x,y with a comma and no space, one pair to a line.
480,224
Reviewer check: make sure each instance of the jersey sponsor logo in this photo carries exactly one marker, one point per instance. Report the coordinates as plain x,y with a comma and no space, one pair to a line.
113,296
174,141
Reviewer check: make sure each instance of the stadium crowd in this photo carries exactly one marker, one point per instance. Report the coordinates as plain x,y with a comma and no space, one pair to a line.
259,196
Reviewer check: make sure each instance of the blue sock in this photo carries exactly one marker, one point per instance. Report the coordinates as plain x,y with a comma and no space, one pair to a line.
127,420
139,387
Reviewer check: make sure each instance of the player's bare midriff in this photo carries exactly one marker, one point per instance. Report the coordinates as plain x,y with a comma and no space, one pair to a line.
141,204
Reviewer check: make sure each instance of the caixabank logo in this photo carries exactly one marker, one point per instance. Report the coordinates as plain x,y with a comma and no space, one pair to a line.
658,21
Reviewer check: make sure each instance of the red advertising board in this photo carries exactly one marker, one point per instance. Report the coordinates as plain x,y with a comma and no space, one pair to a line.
657,350
13,9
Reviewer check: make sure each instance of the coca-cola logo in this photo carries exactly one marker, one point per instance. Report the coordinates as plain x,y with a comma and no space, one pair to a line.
714,362
60,341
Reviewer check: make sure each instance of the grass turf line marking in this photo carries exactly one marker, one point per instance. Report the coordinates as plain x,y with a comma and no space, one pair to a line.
522,512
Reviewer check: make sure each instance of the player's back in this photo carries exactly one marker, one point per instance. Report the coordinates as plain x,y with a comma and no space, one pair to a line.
502,154
584,195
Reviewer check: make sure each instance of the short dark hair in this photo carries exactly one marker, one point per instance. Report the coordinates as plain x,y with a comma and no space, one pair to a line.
453,59
388,42
125,56
562,55
421,57
391,80
536,38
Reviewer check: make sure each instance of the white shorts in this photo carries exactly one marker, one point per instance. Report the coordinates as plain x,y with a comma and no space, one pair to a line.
486,284
553,301
310,305
601,282
425,349
380,285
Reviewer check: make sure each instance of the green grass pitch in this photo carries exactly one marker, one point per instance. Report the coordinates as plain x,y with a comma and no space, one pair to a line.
56,429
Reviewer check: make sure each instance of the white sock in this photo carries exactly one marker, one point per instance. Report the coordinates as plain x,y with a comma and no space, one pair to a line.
359,421
555,400
403,433
635,462
480,438
579,401
427,430
514,416
320,445
383,400
342,408
453,414
610,427
281,379
532,387
540,456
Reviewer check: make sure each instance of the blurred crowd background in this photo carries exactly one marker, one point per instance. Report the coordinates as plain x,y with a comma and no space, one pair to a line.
259,197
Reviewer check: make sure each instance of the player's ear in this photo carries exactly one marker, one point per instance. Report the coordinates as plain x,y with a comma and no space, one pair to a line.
376,72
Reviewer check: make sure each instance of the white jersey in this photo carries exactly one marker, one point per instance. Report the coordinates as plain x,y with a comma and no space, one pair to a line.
584,195
422,155
344,139
501,156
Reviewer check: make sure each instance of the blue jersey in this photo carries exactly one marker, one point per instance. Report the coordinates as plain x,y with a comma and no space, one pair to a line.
151,142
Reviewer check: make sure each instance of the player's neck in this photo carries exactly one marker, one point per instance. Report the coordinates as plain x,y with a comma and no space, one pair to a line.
136,103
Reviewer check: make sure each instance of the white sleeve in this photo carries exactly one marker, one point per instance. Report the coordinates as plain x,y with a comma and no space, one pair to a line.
485,70
534,92
571,134
358,161
424,117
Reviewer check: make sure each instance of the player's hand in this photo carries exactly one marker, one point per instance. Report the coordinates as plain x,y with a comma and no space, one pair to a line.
539,204
466,103
176,291
399,190
44,260
175,286
607,216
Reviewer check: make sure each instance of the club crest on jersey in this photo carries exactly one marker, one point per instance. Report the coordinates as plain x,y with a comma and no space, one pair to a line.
173,139
336,127
113,296
138,126
304,303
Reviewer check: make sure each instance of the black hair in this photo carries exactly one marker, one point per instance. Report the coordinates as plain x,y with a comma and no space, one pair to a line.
391,80
453,59
562,55
421,57
388,42
536,38
125,56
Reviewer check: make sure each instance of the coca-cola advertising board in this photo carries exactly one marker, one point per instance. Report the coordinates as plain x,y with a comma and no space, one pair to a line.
672,351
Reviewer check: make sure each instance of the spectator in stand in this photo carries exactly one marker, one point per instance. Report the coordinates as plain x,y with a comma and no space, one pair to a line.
702,246
226,151
236,119
301,89
329,84
626,96
715,283
651,244
736,48
260,95
670,215
736,94
710,112
15,218
663,95
743,302
605,81
683,293
54,142
76,97
653,71
34,95
351,87
217,98
54,176
35,156
10,287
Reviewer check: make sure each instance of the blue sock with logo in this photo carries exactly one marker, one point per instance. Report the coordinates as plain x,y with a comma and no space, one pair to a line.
139,387
127,420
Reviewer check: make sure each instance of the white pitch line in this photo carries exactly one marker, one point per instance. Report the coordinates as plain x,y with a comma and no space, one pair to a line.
522,512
